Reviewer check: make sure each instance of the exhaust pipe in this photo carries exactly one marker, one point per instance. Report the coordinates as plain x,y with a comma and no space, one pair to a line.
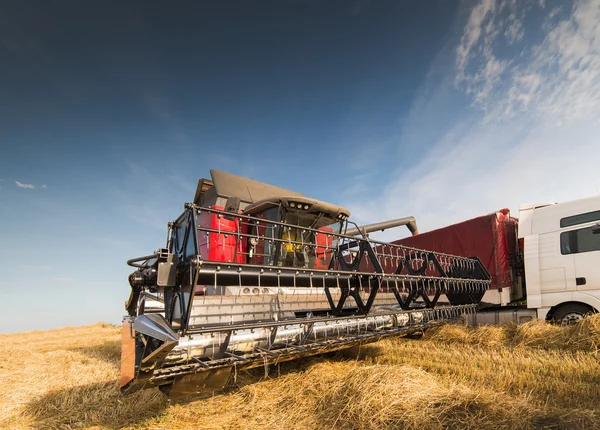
410,222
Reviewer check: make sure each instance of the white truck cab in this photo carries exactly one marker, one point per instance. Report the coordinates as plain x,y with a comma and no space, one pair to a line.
561,246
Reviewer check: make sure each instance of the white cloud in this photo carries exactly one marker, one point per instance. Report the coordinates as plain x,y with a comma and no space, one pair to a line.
21,185
514,31
481,68
563,76
537,136
472,32
44,186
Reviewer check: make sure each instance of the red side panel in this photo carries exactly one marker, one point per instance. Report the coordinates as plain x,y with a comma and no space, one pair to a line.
223,245
488,237
323,248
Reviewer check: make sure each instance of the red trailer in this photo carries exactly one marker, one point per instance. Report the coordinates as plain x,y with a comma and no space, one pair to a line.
492,238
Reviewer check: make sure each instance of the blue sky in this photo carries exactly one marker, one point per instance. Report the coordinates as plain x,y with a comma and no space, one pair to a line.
111,111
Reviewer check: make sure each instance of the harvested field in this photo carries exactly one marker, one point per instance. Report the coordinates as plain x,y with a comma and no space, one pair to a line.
529,376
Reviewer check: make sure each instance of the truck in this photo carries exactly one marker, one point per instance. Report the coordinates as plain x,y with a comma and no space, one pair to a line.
545,264
252,274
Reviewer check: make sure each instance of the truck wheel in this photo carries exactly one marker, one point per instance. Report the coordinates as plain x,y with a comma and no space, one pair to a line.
570,314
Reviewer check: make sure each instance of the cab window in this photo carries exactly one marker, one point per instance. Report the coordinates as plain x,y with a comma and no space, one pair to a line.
578,241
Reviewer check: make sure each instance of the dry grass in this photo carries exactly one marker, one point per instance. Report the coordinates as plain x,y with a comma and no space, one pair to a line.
529,376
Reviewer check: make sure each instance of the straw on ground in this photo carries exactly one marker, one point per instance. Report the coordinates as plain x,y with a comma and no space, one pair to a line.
529,376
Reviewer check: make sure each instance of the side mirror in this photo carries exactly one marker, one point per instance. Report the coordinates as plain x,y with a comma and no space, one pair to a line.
596,229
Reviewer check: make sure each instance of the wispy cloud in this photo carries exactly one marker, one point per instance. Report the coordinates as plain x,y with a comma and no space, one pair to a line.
472,33
44,187
28,186
556,78
30,267
481,67
537,91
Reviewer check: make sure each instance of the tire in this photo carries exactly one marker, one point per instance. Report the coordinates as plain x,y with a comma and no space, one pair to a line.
570,314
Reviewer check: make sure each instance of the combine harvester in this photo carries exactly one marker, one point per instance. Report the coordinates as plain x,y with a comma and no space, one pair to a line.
254,274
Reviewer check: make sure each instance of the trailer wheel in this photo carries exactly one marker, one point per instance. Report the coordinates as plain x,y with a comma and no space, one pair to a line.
570,314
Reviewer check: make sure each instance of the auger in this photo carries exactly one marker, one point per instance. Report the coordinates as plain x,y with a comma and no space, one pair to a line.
253,275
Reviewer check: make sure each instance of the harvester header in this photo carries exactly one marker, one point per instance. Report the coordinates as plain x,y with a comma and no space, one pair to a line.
254,274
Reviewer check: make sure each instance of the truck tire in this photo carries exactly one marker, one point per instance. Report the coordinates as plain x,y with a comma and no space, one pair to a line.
570,314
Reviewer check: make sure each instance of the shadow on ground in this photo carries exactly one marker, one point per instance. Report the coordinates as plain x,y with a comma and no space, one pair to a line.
109,351
101,404
95,404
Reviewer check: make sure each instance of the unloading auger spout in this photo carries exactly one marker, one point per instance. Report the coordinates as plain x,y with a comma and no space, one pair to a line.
253,274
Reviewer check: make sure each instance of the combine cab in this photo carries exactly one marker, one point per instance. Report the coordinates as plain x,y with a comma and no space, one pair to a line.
253,274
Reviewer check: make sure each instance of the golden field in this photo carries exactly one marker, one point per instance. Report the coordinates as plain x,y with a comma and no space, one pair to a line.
529,376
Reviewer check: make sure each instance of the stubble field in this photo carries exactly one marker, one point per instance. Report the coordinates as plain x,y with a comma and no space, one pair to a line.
529,376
